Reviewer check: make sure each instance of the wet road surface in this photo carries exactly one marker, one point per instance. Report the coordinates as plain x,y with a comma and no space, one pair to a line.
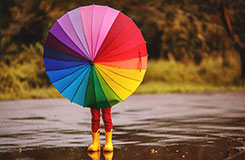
197,126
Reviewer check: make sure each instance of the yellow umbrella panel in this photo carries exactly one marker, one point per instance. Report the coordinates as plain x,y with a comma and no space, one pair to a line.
123,82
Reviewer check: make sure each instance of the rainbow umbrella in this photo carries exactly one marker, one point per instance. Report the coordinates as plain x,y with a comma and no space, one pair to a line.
95,56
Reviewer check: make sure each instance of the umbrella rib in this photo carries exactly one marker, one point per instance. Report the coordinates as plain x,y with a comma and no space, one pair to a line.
116,62
115,81
66,75
45,56
106,53
113,39
80,56
82,45
100,87
72,41
87,87
94,55
91,28
71,82
94,87
110,86
79,87
71,38
119,53
65,60
107,85
85,35
66,67
77,34
91,72
120,74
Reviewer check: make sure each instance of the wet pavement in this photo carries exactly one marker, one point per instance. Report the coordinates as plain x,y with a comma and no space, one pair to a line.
196,126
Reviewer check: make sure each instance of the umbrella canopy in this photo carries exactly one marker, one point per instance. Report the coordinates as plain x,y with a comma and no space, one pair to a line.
95,56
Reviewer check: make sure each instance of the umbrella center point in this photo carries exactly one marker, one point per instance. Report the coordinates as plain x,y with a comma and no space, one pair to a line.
91,62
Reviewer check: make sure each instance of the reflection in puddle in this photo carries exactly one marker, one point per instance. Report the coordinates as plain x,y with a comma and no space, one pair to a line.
135,152
28,118
171,126
97,155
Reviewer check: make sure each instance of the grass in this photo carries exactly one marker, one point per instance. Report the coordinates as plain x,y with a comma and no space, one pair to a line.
24,76
213,74
49,92
211,71
163,87
152,87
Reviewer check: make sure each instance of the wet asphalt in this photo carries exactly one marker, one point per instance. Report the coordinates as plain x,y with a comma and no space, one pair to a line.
195,126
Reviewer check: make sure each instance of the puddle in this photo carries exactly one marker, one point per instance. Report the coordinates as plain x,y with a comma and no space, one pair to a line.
28,118
169,126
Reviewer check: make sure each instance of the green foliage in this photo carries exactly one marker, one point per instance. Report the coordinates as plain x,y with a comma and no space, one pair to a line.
163,87
23,71
184,29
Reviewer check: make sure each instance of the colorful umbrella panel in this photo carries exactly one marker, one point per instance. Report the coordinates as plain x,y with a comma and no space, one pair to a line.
95,56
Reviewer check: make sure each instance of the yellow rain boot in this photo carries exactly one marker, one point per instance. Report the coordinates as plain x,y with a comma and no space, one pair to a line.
108,142
95,146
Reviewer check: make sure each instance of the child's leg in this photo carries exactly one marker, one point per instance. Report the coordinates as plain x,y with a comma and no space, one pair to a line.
95,121
95,126
106,115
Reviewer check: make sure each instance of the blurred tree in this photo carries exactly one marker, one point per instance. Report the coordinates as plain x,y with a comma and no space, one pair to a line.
184,29
22,23
1,8
27,22
236,27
